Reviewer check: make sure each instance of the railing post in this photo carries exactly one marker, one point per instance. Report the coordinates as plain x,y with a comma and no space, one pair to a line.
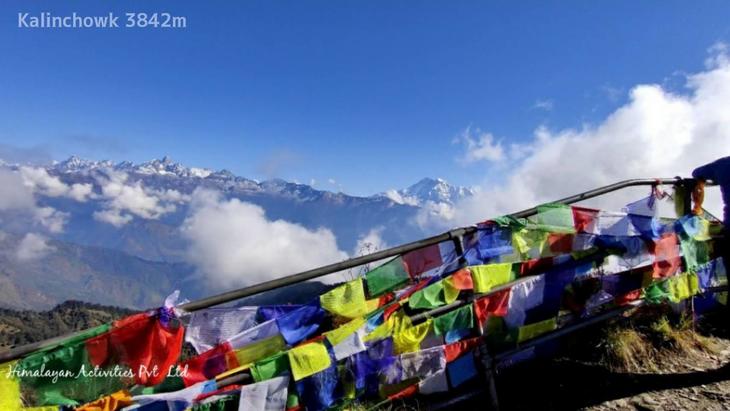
459,249
490,377
689,185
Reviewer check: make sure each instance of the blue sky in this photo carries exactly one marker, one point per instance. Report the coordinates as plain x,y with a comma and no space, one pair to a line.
369,93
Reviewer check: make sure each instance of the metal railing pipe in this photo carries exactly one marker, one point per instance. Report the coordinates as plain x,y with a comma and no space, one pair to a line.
351,263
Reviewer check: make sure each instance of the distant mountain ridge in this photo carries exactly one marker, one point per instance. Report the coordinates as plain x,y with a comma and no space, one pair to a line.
70,271
18,328
427,189
147,252
348,217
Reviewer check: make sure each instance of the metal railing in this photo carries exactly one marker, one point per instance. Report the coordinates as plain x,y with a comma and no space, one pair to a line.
455,235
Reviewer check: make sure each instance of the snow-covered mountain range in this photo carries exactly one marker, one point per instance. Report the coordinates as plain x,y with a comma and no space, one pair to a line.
427,189
137,213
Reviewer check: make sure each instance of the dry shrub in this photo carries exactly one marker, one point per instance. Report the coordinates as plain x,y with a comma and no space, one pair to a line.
627,350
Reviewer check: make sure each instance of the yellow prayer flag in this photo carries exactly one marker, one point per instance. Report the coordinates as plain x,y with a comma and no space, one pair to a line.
451,293
683,286
308,359
347,300
113,402
9,388
529,244
486,277
409,339
530,331
397,322
339,334
372,305
260,349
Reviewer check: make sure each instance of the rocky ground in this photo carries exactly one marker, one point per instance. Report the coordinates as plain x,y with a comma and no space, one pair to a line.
680,369
701,382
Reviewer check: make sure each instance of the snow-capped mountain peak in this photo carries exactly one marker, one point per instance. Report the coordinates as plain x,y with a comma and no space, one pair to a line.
76,164
435,190
427,190
165,167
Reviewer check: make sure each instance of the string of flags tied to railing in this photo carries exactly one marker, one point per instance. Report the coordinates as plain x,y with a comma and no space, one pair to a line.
364,340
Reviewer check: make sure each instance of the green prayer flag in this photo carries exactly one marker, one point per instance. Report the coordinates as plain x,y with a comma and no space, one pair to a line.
61,375
386,277
172,383
270,367
430,297
695,253
228,403
656,292
292,400
556,218
509,221
459,319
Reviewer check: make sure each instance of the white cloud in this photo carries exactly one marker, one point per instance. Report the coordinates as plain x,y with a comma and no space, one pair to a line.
123,200
371,242
17,196
32,247
232,243
401,199
655,134
50,218
480,146
39,181
14,195
113,217
546,105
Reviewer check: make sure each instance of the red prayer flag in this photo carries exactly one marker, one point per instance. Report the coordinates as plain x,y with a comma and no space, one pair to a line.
406,393
385,299
495,304
462,280
142,343
560,243
390,310
628,297
536,266
419,261
584,218
455,350
420,285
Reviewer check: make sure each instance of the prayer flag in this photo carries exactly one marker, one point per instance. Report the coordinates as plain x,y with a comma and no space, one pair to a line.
209,327
486,277
422,364
9,388
409,339
270,367
386,277
666,256
461,370
270,395
308,359
300,324
457,319
346,300
555,218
